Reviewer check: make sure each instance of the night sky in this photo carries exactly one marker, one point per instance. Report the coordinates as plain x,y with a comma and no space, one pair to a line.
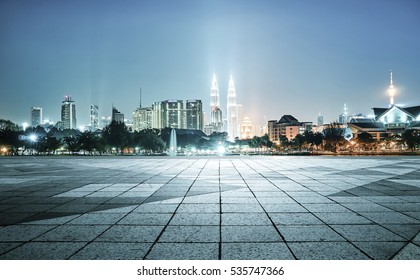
286,57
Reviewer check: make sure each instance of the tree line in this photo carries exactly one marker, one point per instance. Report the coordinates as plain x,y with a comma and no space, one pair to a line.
117,139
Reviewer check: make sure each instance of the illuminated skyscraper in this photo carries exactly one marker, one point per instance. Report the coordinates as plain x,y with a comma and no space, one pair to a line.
94,117
232,112
194,114
68,113
36,116
215,111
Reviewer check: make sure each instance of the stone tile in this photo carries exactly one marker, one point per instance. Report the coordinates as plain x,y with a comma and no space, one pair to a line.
309,233
371,233
326,251
342,218
145,219
406,231
242,219
284,208
156,208
124,233
380,250
250,234
97,219
184,251
241,208
256,251
43,251
22,232
389,218
70,233
319,208
199,208
409,252
112,251
185,234
192,219
294,219
7,246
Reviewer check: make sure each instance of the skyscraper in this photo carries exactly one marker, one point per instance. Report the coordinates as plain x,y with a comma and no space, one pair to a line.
194,114
320,120
68,113
215,111
36,116
94,117
232,112
168,113
142,118
117,115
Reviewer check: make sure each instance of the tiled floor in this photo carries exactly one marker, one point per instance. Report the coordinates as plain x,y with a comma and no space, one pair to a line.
210,208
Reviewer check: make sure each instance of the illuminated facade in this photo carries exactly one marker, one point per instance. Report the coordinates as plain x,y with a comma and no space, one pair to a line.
232,112
392,120
68,114
94,117
288,126
194,114
36,116
142,118
216,120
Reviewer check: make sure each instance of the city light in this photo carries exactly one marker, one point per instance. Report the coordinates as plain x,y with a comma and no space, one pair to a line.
33,137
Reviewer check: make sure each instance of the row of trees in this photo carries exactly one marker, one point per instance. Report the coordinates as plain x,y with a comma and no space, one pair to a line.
115,138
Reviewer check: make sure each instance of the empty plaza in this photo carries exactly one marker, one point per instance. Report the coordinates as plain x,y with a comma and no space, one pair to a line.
257,207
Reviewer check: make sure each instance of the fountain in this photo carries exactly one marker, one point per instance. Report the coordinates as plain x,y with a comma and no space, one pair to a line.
172,143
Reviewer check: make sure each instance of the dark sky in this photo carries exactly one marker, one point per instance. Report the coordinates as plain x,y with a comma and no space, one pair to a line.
286,57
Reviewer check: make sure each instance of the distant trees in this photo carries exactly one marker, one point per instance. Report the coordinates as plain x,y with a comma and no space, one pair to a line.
333,136
115,138
411,138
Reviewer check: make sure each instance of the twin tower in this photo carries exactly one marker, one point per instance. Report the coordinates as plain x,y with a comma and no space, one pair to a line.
231,124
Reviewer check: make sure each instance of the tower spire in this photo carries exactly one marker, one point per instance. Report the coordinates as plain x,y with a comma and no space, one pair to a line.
391,91
140,97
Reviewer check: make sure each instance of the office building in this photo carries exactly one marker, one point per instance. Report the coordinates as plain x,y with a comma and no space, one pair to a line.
36,116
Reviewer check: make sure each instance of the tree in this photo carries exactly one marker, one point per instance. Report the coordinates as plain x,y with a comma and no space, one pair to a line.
73,145
266,142
116,135
149,140
298,141
365,139
334,135
87,141
411,138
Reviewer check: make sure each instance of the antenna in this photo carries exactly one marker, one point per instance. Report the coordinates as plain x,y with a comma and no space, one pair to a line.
140,97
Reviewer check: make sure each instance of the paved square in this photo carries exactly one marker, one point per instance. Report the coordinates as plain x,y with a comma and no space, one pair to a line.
209,208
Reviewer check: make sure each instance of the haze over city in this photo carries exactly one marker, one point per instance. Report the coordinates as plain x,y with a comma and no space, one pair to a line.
286,57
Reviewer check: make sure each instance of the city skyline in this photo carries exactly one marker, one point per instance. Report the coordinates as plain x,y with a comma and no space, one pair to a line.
286,58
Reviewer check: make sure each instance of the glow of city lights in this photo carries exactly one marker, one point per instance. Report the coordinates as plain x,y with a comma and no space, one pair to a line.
33,137
221,150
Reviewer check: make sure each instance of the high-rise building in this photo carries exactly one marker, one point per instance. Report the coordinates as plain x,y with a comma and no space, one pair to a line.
247,129
320,120
168,113
36,116
216,120
94,117
342,119
117,115
142,118
232,112
68,114
194,114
